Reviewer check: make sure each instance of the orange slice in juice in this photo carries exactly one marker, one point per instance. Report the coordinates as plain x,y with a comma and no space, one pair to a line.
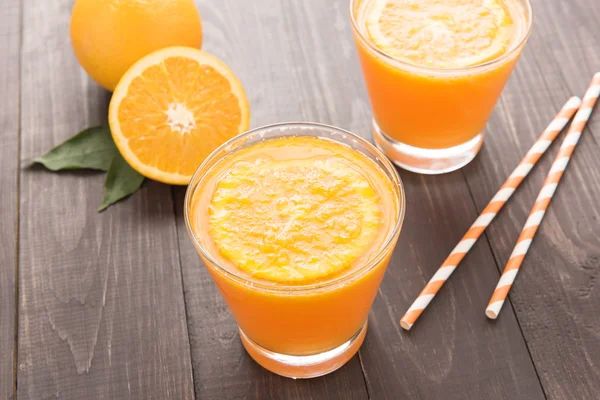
172,109
297,220
441,33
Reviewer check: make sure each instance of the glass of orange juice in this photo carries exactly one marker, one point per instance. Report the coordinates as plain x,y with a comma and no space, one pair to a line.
296,223
434,70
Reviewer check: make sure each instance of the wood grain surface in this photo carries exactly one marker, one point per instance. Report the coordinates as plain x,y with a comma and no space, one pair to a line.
117,305
10,25
101,311
556,296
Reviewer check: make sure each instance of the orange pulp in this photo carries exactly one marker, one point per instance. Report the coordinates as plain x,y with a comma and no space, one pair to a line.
284,219
434,69
172,108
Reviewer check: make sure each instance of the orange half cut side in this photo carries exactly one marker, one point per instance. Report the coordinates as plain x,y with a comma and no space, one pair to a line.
172,109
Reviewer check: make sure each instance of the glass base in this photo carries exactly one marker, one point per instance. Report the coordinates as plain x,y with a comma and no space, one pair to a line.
304,366
427,161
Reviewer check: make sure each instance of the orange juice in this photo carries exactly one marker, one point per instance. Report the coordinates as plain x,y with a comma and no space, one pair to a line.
434,70
297,231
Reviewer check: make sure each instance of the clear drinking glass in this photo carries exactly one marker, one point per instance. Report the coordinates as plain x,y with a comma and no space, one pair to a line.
300,331
431,120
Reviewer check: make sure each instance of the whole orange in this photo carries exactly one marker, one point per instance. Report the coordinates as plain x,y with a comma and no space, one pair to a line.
109,36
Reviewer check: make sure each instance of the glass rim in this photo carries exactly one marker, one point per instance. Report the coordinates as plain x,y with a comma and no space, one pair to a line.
503,57
389,170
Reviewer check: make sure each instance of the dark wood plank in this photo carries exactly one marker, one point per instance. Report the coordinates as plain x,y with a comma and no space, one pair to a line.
297,62
453,352
250,37
556,296
101,302
577,50
10,18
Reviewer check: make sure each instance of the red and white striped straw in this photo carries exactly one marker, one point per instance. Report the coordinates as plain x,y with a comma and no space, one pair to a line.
489,212
543,200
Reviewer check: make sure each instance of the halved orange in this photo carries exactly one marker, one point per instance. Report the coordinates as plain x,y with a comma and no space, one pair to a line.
172,108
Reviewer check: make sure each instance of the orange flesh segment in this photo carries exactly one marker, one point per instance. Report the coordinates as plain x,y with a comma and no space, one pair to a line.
443,33
296,220
202,116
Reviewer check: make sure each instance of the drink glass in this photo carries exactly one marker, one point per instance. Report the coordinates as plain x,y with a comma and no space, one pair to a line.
431,120
300,331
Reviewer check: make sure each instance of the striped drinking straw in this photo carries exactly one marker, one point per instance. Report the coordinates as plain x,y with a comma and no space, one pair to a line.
489,212
543,200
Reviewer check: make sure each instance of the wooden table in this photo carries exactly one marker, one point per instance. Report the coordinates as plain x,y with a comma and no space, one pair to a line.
118,306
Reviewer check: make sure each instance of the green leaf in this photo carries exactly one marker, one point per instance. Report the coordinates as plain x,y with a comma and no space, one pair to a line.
121,181
92,148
